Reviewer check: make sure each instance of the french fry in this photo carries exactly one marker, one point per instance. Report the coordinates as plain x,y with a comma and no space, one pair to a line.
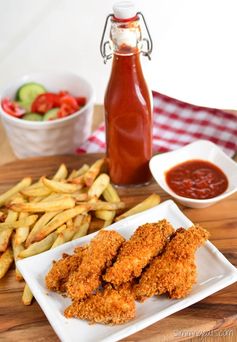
6,234
51,197
80,197
39,191
60,219
27,295
28,221
61,173
65,235
78,220
80,172
39,247
69,223
22,232
18,187
60,187
17,198
108,223
44,219
110,194
65,202
82,229
105,214
60,229
6,260
79,179
83,170
72,175
93,172
17,248
148,203
101,205
99,185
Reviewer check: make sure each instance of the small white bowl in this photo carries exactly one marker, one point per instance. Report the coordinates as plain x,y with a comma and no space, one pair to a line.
44,138
200,149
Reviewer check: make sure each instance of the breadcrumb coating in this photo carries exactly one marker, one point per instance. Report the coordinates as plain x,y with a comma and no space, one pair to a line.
99,255
108,306
146,242
173,272
58,275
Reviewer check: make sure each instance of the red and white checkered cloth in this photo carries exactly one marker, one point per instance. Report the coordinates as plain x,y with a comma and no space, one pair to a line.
176,124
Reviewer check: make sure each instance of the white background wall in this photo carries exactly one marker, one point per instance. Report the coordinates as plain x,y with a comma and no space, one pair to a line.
195,44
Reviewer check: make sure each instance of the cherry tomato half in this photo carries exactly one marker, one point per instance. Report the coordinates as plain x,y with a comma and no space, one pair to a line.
45,102
12,108
70,101
81,101
65,110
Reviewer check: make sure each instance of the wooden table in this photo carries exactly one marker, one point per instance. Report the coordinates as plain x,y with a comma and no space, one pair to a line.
219,311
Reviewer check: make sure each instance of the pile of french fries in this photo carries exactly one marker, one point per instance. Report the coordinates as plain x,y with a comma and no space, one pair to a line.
43,215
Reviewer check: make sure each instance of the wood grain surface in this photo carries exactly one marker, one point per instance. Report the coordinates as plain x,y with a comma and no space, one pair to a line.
20,323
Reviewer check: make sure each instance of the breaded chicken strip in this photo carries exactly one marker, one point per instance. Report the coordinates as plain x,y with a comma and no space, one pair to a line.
173,272
146,242
58,275
99,255
108,306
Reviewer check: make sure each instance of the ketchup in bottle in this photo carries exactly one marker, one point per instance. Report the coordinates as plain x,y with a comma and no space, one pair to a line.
128,108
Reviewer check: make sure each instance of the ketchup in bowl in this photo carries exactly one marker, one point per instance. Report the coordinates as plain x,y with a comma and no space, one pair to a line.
197,179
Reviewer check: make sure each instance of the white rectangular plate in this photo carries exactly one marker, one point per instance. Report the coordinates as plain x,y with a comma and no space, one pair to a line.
214,273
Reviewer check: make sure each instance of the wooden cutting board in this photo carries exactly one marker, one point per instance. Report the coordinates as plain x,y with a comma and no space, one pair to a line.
20,323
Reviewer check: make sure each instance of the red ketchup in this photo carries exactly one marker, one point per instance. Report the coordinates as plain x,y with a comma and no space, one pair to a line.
128,109
197,179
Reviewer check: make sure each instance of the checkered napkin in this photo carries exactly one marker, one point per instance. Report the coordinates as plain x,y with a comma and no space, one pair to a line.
178,123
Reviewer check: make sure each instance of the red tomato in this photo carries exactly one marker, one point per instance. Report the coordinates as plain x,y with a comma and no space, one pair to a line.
65,110
81,101
45,102
12,108
70,101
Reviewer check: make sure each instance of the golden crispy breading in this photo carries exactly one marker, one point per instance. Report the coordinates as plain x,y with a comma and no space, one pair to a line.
99,255
58,275
173,272
147,241
108,306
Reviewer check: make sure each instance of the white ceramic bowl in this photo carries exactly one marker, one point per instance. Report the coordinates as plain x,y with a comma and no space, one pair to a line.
200,149
44,138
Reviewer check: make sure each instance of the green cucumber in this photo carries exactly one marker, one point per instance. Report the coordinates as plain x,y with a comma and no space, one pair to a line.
32,117
25,105
29,91
51,114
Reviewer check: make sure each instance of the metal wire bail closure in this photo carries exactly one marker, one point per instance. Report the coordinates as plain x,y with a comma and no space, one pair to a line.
147,41
105,45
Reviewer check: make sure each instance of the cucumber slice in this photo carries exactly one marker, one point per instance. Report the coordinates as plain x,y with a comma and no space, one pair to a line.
51,114
24,105
29,91
33,117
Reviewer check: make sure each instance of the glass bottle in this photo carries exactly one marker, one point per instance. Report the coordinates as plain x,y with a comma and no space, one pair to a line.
127,103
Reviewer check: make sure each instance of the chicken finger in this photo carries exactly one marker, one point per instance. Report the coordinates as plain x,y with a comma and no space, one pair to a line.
99,255
108,306
57,277
173,272
147,241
